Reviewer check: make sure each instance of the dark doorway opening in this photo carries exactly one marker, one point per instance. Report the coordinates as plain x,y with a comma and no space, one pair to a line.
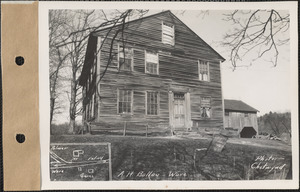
248,132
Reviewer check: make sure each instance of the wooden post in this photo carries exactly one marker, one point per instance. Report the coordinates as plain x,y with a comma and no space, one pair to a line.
171,111
147,130
233,161
109,163
124,131
195,159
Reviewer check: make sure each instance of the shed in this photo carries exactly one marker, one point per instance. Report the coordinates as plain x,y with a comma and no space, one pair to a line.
240,117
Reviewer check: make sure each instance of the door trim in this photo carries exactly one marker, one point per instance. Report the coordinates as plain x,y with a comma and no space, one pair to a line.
187,110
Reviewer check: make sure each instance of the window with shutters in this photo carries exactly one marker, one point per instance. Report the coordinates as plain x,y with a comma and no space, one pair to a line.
152,63
125,59
205,107
152,103
203,69
125,101
168,34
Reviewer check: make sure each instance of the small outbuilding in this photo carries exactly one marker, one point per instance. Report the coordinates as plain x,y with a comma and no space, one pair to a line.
240,117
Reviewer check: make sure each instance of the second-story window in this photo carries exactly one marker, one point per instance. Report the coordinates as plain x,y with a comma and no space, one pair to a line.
125,58
152,64
203,69
168,33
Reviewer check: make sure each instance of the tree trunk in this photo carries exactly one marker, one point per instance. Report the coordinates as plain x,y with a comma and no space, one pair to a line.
52,103
72,109
52,100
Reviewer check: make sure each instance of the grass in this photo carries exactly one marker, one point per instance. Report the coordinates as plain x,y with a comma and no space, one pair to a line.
172,158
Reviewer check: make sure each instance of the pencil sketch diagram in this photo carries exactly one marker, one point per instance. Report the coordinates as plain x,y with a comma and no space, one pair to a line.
82,162
179,94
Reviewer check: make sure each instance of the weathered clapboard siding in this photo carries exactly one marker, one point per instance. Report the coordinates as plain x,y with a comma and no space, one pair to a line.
178,72
147,32
238,120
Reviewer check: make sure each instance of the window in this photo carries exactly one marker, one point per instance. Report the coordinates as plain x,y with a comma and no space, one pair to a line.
125,101
93,106
152,103
203,67
205,108
246,114
151,63
168,35
125,58
92,73
226,113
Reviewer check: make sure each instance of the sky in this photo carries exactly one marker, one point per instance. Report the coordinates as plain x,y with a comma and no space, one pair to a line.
262,86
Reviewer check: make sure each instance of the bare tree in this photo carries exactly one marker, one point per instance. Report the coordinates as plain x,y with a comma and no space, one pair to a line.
71,47
276,123
257,33
57,21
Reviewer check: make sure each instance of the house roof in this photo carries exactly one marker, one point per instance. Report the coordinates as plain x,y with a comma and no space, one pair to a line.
160,13
92,43
239,106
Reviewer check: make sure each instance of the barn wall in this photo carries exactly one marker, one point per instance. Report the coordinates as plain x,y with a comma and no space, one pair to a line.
237,120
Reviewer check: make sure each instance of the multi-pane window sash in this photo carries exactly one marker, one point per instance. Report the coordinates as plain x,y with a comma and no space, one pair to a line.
152,103
205,108
152,63
125,61
93,106
168,36
125,101
203,70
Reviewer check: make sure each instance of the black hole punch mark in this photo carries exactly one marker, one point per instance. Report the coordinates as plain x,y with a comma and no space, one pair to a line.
20,138
19,60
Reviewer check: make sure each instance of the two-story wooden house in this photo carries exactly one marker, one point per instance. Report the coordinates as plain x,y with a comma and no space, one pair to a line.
163,75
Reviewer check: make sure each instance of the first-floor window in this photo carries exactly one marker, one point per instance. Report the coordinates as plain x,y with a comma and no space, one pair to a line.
152,103
205,108
93,106
90,107
125,101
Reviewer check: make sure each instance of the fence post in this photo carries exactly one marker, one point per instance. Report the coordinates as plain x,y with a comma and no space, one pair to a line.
109,163
147,130
124,131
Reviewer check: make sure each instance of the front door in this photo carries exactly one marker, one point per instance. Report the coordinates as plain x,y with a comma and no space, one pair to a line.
179,112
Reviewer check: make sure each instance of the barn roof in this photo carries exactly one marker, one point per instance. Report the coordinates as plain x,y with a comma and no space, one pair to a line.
239,106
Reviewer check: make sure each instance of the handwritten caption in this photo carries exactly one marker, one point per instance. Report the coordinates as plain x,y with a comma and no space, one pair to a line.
268,163
149,174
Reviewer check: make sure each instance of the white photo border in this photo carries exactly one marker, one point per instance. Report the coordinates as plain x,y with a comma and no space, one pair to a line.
44,92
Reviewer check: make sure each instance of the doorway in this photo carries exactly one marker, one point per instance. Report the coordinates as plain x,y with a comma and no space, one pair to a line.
179,110
248,132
